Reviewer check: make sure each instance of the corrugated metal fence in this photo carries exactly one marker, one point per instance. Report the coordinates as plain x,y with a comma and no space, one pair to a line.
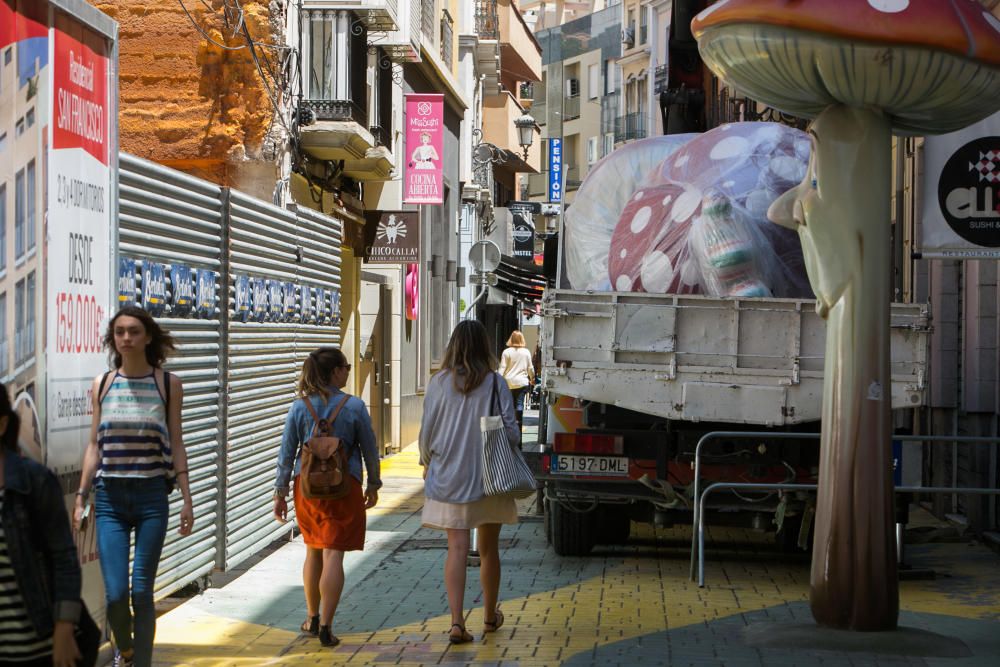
244,321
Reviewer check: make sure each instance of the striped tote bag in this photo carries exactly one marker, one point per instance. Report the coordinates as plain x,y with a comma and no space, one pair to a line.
505,472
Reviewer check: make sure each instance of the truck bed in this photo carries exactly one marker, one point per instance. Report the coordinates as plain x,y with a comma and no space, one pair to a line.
696,358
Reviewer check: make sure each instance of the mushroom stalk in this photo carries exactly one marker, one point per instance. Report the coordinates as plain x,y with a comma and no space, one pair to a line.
844,227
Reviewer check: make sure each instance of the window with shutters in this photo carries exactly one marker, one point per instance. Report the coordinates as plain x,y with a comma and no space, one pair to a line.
593,150
594,81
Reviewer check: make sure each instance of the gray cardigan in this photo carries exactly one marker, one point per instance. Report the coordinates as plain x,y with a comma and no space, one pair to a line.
451,442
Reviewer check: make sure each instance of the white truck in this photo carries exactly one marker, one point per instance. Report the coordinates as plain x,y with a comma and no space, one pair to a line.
633,381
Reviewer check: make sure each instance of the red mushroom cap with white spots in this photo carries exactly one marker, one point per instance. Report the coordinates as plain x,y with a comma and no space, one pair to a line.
750,164
932,66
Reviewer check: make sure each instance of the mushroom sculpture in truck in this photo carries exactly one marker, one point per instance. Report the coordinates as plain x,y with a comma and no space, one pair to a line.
862,69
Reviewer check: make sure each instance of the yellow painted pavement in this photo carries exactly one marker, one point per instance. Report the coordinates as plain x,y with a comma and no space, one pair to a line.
633,597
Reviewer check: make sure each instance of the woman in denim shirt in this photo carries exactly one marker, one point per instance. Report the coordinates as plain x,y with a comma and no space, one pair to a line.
37,554
329,527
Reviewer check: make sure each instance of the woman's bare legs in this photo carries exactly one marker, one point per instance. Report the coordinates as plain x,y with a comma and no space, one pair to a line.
312,570
488,537
331,584
454,573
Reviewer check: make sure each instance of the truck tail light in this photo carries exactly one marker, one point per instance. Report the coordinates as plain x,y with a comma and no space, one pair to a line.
588,443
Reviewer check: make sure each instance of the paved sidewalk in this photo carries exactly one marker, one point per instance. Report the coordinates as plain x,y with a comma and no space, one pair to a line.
626,605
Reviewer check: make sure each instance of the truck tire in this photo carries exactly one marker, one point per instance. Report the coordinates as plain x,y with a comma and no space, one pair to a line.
572,532
613,525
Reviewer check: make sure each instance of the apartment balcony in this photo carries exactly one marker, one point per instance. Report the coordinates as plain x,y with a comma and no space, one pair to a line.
499,113
403,44
488,44
375,15
520,53
629,127
571,108
335,121
573,178
538,184
661,79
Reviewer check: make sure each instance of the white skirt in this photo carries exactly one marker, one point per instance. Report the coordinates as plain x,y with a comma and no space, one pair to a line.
490,509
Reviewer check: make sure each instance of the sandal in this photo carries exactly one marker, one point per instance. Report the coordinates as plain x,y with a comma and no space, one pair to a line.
326,637
496,624
463,638
311,625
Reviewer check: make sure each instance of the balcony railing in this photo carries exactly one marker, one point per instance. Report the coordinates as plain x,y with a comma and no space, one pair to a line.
527,91
727,108
487,21
661,79
630,126
447,32
24,343
427,19
338,110
573,178
609,112
571,108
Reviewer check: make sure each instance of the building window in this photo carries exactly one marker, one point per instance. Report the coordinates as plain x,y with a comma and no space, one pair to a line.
8,55
447,30
19,331
593,81
609,142
593,149
19,211
3,228
30,201
427,19
19,127
4,352
335,62
3,142
29,117
643,24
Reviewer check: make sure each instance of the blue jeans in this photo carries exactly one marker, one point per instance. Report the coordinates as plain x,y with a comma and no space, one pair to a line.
123,506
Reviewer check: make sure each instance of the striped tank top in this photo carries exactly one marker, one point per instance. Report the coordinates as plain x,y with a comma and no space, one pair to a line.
132,435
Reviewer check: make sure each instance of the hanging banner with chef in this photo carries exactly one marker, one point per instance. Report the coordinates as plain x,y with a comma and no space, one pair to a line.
961,185
423,182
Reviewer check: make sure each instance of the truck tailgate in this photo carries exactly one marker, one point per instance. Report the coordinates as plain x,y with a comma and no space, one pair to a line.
696,358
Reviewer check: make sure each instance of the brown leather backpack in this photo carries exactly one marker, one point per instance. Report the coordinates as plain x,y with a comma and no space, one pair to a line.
324,473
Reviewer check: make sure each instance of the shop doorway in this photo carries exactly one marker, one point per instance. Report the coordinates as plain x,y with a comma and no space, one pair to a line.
374,371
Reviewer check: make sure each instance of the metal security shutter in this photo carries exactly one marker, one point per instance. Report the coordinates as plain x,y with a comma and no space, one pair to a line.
171,218
270,244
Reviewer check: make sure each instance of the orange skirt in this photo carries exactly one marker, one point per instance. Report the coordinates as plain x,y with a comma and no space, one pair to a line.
332,524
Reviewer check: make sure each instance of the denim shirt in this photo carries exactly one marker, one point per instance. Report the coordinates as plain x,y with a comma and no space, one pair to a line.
40,543
353,426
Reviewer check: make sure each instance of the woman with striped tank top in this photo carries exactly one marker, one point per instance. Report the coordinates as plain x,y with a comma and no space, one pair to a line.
135,456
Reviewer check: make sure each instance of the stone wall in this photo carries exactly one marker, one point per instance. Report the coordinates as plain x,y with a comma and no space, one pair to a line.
193,105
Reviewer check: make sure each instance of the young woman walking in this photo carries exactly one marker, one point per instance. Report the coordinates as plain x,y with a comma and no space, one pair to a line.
451,448
517,369
329,527
135,456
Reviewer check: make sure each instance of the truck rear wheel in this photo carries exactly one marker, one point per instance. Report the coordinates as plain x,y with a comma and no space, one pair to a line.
572,532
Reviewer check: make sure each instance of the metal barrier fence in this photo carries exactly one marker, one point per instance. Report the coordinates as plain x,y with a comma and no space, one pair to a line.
697,522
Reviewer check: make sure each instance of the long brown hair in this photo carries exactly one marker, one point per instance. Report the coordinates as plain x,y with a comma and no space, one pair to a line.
317,370
469,356
161,343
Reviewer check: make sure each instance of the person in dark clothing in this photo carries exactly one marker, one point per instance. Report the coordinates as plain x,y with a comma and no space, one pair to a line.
40,603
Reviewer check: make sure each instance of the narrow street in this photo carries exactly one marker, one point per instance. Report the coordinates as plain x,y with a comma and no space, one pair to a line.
621,606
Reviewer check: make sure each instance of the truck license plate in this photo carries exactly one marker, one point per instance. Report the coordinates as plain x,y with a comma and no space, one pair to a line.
576,464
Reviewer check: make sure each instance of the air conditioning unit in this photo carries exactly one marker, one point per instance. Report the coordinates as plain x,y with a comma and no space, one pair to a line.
628,37
572,87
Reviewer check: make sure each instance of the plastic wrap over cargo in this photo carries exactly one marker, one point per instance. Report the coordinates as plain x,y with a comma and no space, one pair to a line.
699,222
591,220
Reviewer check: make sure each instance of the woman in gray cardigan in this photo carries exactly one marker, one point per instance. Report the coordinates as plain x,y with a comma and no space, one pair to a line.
451,447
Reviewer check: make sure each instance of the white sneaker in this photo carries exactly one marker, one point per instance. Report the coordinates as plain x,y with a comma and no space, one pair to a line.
122,661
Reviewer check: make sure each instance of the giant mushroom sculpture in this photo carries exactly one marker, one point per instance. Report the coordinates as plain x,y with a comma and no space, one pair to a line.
861,68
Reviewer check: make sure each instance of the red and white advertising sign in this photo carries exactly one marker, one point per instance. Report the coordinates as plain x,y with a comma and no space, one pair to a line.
80,77
423,182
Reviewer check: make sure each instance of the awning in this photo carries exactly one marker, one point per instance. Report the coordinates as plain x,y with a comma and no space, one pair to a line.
520,278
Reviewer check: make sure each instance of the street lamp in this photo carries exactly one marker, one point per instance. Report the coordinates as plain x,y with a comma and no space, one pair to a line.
525,131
